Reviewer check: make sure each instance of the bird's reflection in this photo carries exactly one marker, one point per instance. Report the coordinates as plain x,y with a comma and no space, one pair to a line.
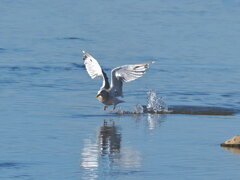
106,154
100,153
109,138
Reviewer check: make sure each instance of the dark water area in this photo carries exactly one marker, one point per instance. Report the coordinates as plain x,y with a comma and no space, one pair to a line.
53,127
198,110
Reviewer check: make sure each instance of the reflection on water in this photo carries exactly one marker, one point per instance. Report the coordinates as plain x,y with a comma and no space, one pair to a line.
153,120
130,158
109,138
89,159
235,150
105,154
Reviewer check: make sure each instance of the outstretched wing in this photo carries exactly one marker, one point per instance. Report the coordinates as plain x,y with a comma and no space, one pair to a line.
94,69
126,73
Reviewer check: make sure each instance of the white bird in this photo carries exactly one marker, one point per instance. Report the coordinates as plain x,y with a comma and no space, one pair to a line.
108,94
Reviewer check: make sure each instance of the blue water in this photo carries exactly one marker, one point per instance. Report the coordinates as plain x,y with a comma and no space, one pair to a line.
52,126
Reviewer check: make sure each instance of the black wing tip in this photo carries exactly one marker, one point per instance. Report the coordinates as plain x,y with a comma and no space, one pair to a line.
148,63
85,55
107,85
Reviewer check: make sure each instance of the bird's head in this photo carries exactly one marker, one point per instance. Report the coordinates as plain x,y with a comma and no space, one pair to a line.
98,95
102,95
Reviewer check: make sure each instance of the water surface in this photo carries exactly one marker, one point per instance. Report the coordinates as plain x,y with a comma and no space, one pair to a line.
52,127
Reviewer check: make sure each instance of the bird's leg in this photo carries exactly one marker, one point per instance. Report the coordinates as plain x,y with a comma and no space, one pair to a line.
105,107
113,108
104,123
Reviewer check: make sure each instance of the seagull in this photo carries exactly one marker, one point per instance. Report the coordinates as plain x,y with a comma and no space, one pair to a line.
108,93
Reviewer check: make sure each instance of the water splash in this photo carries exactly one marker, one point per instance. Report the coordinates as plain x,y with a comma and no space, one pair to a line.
138,109
154,105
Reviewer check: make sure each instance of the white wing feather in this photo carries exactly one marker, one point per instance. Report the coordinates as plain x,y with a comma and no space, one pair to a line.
95,70
92,66
126,73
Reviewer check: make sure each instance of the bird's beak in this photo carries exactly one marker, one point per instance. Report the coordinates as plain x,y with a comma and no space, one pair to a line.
98,95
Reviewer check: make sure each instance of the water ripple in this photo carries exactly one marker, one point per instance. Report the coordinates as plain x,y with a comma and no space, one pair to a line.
75,38
2,50
72,66
10,165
